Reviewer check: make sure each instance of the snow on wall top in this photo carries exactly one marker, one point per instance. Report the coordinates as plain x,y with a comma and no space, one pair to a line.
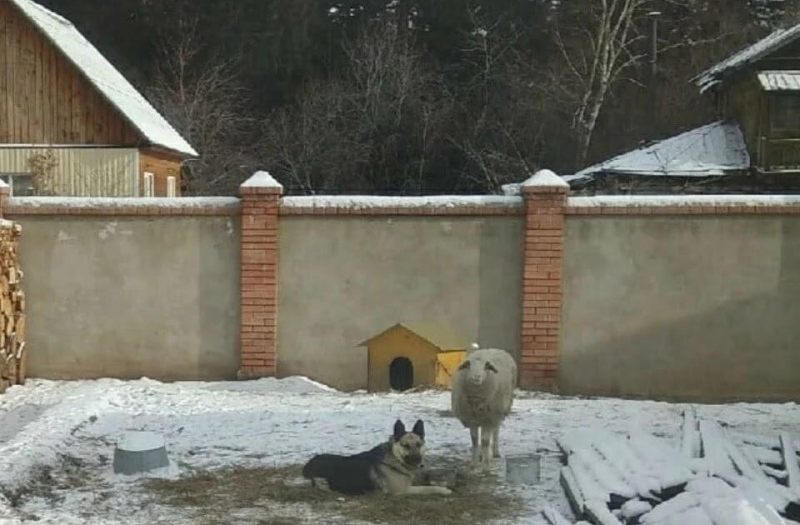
772,42
713,149
672,201
105,77
123,202
545,178
779,80
361,202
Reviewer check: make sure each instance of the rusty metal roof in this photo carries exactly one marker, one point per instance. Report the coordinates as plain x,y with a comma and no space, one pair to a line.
439,335
788,80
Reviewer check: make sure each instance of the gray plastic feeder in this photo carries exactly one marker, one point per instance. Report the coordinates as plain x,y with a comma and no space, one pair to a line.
140,452
523,469
444,477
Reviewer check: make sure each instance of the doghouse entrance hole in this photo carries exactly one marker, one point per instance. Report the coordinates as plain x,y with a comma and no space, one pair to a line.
401,374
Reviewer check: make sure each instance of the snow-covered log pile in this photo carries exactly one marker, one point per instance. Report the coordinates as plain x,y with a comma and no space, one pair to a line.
715,477
12,308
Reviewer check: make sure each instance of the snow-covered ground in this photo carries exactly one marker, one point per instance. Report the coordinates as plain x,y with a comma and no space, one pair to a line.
279,422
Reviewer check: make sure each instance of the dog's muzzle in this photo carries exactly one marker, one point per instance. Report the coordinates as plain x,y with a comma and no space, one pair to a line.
415,460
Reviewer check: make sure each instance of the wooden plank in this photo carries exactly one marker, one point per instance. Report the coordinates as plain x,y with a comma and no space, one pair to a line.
635,509
779,475
589,486
690,437
715,450
727,505
790,462
617,452
597,512
573,491
553,516
664,461
614,485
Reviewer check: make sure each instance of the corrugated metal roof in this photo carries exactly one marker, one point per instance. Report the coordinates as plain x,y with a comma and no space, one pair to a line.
104,76
710,150
788,80
769,44
440,335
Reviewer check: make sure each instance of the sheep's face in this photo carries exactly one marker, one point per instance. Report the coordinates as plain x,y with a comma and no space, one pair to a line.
477,370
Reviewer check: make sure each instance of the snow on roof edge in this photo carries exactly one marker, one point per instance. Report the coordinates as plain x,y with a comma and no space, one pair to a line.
171,140
746,55
698,170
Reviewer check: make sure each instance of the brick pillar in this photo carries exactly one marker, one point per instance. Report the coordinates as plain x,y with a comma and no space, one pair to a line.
545,197
261,195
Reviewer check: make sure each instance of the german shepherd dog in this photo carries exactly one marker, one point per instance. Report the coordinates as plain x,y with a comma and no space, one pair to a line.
388,468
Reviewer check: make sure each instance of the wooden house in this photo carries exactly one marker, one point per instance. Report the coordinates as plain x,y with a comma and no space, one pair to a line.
70,123
759,88
408,355
753,146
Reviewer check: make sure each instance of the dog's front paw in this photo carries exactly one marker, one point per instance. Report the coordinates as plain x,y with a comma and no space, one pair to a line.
444,491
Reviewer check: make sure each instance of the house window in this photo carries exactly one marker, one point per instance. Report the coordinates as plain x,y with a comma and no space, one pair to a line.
21,184
785,114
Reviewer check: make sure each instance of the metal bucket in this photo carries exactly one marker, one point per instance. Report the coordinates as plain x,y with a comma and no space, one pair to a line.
524,469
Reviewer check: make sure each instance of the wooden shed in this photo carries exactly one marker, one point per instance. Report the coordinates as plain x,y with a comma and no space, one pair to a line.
408,355
70,123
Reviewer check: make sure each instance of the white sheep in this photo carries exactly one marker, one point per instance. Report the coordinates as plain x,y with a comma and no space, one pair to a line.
481,397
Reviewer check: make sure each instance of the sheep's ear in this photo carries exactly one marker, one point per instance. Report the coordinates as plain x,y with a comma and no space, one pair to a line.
399,429
464,365
490,367
419,428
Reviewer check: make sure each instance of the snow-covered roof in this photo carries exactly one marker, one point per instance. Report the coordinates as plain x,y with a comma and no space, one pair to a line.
105,77
713,149
767,45
788,80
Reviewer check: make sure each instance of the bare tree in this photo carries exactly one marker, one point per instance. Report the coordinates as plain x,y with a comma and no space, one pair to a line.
203,99
600,48
372,128
502,125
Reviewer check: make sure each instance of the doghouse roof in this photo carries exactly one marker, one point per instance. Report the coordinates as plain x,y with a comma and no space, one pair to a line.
443,337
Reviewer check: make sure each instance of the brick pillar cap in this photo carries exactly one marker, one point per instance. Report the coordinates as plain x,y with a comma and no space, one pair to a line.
5,189
544,181
261,182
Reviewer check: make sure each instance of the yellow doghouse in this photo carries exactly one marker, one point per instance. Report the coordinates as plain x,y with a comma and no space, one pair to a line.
408,355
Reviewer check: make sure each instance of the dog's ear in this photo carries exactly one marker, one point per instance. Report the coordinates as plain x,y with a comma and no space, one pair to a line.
490,367
419,428
399,429
464,365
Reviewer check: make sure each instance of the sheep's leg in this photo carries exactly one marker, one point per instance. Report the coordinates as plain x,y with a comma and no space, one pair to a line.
486,443
496,441
474,433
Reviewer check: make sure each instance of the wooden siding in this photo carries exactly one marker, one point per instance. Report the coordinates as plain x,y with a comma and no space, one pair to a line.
44,99
743,101
81,172
161,165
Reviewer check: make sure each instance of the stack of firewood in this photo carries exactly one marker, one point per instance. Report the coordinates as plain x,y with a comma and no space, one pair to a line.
13,355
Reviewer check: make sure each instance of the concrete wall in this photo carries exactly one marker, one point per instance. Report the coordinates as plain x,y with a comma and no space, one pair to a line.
682,307
131,296
345,279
